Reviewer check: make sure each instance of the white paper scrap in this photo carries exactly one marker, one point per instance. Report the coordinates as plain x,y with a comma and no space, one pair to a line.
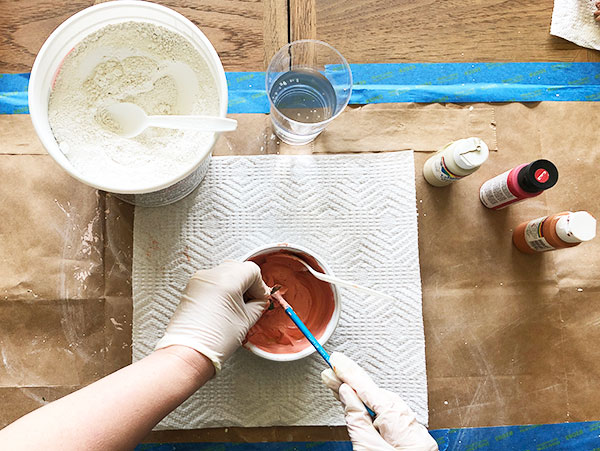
573,20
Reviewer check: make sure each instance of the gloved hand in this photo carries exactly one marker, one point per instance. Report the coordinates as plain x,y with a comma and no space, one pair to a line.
395,426
212,316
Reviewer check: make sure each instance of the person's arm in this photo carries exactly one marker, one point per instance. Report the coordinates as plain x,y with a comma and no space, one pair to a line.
116,412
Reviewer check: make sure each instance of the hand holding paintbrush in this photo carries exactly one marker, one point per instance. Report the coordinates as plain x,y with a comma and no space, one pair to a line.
397,422
307,333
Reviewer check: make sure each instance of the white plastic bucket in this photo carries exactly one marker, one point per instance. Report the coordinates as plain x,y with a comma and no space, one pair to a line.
333,321
75,29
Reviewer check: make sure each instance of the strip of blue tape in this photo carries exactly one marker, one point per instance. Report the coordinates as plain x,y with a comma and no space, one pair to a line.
563,436
418,82
13,93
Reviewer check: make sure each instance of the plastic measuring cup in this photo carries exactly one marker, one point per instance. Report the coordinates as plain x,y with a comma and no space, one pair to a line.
309,84
49,60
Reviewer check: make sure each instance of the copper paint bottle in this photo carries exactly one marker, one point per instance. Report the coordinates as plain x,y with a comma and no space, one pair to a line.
559,231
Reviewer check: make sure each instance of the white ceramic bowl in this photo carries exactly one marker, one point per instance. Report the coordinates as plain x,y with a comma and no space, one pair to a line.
76,28
335,317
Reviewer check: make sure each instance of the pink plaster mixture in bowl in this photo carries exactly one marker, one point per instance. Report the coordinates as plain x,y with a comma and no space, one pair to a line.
317,303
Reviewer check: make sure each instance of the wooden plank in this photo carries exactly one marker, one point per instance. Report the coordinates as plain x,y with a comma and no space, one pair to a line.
241,31
303,19
24,27
234,27
275,27
375,31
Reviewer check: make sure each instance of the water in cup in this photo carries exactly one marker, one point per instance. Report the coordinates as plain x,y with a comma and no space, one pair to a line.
309,83
304,95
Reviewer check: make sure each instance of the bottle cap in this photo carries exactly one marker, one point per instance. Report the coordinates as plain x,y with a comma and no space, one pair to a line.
576,227
470,153
537,176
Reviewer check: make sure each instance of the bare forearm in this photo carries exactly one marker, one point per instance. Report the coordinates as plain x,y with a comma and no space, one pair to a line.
117,411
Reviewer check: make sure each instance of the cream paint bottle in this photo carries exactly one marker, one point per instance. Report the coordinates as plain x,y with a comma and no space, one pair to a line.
559,231
455,161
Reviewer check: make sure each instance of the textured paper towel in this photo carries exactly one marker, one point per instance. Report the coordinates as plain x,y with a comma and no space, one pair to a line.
358,212
573,20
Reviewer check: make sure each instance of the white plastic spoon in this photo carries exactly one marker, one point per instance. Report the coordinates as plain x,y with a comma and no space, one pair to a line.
132,121
342,283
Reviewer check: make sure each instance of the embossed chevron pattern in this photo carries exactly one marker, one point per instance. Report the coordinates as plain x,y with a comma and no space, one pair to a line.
356,211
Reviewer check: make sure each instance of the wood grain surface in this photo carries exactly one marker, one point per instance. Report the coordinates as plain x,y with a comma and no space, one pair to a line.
245,33
303,19
24,27
375,31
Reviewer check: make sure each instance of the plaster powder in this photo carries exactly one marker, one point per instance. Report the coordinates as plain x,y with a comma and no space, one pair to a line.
141,63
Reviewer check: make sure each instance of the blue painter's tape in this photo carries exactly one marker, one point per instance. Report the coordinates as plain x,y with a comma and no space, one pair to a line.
475,82
13,93
536,437
418,82
562,436
246,92
273,446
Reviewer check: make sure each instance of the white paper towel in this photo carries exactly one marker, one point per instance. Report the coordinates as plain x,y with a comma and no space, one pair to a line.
358,212
573,20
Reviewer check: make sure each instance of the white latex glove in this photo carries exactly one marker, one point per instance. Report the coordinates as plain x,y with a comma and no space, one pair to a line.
212,316
395,426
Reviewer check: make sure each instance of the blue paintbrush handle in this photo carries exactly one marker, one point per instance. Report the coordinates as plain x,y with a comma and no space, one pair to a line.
307,333
313,341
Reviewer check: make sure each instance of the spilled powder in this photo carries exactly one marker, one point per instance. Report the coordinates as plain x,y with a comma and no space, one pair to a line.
141,63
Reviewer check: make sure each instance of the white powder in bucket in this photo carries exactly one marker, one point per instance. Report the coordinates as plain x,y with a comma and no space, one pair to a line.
141,63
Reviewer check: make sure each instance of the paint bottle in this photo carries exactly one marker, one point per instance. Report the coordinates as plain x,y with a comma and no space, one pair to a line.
566,229
454,161
519,183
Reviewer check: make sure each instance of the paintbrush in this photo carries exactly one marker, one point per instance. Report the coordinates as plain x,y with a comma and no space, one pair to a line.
299,324
307,333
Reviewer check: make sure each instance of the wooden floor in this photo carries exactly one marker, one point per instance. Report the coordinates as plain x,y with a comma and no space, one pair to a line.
373,31
247,33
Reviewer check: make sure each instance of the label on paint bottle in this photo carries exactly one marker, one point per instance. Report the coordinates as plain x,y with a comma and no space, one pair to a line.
440,170
495,193
535,237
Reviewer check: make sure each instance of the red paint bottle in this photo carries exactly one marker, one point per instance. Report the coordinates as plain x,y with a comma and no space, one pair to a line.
519,183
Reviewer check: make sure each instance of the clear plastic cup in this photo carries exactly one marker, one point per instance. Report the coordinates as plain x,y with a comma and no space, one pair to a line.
309,84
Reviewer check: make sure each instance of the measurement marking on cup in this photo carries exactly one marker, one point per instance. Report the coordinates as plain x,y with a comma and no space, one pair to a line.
304,96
